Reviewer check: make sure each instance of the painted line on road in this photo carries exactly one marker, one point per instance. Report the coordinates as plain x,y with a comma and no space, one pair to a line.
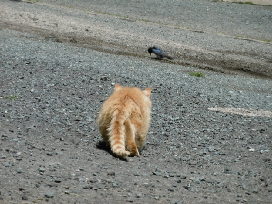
243,112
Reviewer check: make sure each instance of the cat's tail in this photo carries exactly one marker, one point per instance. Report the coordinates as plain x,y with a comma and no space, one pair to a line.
117,133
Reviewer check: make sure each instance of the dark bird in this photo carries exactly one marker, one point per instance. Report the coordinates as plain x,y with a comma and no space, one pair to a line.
159,53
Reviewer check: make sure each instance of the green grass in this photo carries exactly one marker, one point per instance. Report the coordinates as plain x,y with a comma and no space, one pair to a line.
13,97
146,20
196,74
266,40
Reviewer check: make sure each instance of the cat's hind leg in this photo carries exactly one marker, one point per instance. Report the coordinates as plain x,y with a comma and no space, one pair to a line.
130,139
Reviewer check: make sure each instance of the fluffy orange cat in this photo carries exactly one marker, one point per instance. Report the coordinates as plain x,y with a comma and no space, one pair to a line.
124,120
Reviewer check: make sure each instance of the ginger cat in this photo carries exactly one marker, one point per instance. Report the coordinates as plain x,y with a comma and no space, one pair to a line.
124,120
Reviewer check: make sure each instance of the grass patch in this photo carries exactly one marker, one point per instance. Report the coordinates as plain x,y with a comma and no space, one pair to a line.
196,74
266,40
12,97
146,20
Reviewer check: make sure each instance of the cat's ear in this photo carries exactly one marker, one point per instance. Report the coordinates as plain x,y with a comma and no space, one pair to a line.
117,87
147,92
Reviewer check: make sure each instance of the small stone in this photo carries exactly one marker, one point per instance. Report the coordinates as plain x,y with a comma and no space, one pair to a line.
181,176
87,187
211,149
7,164
255,191
81,179
156,173
244,186
104,78
156,197
24,197
111,173
42,169
58,180
130,200
195,180
138,195
21,189
264,151
227,170
49,194
188,186
19,170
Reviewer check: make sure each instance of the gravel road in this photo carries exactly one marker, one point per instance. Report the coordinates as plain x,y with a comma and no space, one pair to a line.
210,138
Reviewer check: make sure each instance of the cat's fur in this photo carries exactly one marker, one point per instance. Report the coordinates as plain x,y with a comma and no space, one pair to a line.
124,120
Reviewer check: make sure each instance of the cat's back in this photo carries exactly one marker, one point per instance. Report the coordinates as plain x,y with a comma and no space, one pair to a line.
128,99
124,96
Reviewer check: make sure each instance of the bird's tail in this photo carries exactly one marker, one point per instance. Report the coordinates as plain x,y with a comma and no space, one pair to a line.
117,134
168,56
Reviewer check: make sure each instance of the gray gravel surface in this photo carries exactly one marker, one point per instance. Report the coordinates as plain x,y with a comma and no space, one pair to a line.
51,149
220,36
202,15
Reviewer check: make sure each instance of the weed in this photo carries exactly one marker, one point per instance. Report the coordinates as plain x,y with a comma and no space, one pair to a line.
265,40
197,74
146,20
12,97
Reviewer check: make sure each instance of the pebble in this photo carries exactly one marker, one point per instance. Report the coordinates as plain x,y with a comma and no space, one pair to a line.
156,173
19,170
112,173
7,164
181,176
49,194
87,187
24,197
42,169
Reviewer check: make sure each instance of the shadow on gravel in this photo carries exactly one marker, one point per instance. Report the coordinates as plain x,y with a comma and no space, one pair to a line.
102,146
